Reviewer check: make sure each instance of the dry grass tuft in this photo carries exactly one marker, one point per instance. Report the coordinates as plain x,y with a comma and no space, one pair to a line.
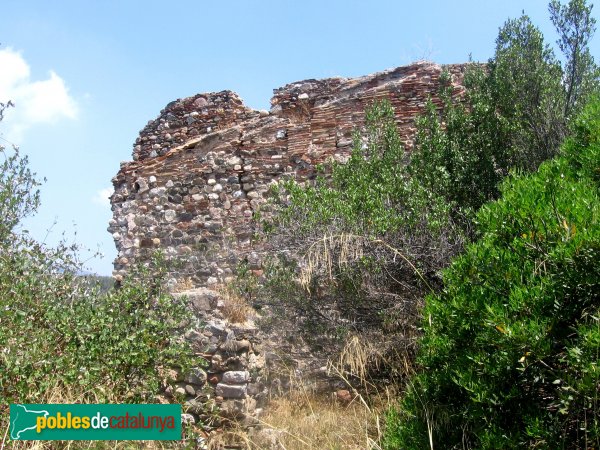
185,284
339,251
236,438
301,421
304,420
310,422
358,357
235,308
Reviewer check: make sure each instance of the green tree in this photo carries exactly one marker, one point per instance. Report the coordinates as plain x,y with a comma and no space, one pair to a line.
514,114
575,26
355,252
524,86
510,353
461,151
19,193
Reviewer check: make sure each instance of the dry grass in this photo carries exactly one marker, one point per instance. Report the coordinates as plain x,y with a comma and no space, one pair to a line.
184,284
298,420
309,422
301,421
304,420
358,357
235,308
340,250
363,355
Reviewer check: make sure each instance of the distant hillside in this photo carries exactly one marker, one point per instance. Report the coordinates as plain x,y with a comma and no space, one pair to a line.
106,283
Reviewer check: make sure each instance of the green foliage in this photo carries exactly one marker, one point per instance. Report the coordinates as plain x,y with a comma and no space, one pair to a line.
371,193
514,114
62,339
463,160
510,353
19,196
244,283
355,253
525,92
57,332
576,26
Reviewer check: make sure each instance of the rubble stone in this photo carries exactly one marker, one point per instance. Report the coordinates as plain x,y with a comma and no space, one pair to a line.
199,173
203,167
236,377
231,391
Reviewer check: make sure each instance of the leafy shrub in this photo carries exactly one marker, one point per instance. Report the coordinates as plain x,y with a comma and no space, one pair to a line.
371,193
56,332
61,338
356,252
460,153
513,115
510,353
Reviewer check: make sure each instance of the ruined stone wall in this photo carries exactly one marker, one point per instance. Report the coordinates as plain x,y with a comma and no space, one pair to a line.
204,166
199,173
240,366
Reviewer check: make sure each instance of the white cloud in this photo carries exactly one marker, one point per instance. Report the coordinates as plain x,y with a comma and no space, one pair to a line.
102,197
36,102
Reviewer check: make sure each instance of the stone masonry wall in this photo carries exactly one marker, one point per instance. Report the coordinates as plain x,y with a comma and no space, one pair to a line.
204,166
199,173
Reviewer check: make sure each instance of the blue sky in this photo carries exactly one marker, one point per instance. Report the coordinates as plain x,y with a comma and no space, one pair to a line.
86,76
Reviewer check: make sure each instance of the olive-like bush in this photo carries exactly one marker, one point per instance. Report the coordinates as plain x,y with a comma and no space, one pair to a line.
510,356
